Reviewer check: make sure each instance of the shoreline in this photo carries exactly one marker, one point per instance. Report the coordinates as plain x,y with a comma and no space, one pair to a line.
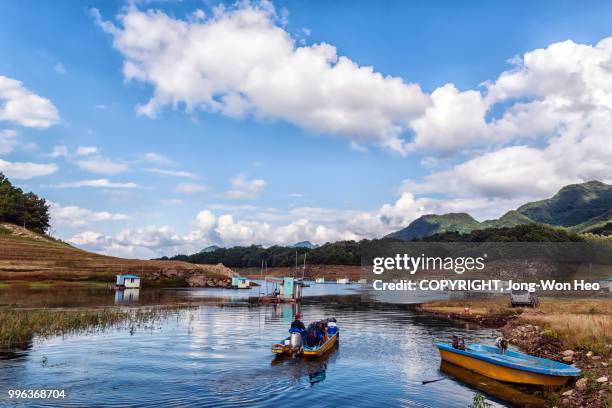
546,333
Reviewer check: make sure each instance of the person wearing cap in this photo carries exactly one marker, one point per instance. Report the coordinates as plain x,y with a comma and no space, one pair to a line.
297,323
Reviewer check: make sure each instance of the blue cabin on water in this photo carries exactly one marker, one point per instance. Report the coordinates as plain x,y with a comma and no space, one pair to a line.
238,282
128,281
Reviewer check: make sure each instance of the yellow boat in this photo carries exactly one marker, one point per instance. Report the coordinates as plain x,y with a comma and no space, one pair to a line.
285,349
509,366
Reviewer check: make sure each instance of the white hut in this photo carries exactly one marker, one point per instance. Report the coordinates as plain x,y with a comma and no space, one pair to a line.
342,281
128,281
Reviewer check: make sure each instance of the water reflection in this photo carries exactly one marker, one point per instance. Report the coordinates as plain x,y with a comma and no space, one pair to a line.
127,296
315,369
489,386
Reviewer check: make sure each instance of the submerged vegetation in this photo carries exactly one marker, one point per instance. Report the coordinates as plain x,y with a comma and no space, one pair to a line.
20,326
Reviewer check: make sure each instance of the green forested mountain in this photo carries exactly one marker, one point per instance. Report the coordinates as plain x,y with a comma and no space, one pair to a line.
23,209
585,207
572,205
435,224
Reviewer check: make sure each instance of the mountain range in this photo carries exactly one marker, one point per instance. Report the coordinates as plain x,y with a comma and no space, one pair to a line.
585,207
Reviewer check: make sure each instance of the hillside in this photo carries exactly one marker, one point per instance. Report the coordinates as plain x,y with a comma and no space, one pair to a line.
435,224
572,205
585,207
29,256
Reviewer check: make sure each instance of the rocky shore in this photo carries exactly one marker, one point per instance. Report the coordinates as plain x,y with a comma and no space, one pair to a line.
592,389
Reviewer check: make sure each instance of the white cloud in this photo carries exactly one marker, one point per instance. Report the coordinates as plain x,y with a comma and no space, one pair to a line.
562,95
173,173
157,158
76,216
96,183
144,242
8,141
190,188
101,165
455,119
240,61
26,170
243,189
86,150
60,151
19,105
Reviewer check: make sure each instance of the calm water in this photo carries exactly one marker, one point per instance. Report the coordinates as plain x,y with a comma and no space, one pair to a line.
218,354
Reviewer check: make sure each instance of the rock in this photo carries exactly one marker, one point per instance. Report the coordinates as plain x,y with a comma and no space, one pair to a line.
581,384
568,393
589,354
604,364
568,353
595,358
602,380
568,359
565,401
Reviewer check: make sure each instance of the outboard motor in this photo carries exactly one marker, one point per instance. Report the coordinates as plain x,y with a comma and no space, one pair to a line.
296,340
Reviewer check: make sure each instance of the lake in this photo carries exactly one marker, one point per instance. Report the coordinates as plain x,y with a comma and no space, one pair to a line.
218,354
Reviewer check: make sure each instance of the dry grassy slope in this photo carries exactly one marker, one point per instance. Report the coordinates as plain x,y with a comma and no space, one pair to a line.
25,255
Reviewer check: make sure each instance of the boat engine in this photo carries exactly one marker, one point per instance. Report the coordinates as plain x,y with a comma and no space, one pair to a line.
296,340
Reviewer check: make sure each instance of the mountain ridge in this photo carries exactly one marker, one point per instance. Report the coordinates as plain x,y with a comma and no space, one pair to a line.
583,207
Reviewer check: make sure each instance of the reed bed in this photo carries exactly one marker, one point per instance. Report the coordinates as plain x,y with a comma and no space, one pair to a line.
19,326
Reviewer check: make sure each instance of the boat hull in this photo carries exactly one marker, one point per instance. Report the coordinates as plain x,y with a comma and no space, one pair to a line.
502,373
307,352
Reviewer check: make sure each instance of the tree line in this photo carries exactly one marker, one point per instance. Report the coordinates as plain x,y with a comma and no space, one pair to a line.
349,252
24,209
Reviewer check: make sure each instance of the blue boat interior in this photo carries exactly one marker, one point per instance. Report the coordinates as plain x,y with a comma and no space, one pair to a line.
514,359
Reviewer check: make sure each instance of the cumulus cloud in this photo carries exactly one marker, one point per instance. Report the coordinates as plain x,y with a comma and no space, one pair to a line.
20,105
75,216
144,242
105,183
241,61
562,95
26,170
244,189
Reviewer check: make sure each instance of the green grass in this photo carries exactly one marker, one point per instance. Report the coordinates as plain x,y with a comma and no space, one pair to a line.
20,326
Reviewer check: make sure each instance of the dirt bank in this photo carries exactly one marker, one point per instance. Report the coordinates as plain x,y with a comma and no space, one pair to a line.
27,256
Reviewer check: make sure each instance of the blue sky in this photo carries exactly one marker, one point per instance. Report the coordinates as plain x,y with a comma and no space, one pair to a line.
277,122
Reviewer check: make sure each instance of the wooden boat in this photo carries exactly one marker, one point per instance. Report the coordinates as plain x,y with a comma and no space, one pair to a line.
510,366
284,349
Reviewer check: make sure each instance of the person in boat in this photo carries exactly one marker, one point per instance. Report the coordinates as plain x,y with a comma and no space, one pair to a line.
314,337
459,343
502,344
297,323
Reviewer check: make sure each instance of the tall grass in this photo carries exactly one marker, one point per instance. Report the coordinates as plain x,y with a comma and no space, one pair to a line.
586,331
20,326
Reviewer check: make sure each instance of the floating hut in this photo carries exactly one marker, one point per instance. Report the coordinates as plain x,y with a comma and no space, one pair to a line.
362,281
128,281
320,280
289,290
342,281
238,282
